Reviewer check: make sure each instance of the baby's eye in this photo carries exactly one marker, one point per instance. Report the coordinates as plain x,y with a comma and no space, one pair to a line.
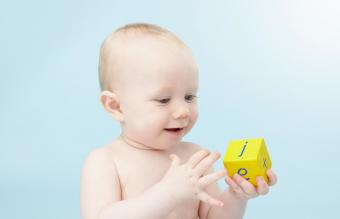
190,98
164,100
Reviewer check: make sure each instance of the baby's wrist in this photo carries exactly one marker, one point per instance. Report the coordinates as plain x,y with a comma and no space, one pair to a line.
169,193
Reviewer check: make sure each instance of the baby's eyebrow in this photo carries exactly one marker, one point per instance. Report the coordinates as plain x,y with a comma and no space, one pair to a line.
162,89
167,88
194,89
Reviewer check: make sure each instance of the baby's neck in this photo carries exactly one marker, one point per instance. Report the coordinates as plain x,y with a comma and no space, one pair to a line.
131,143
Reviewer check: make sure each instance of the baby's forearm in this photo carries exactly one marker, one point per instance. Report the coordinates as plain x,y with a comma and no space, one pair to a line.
233,208
154,203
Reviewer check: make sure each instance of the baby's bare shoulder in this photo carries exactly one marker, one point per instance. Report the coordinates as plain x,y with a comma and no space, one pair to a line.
99,154
189,148
100,157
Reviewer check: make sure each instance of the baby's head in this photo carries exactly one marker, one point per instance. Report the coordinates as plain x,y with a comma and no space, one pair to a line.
149,82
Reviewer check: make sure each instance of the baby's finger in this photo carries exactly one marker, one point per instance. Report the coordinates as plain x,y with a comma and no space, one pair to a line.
206,163
197,157
272,177
246,186
203,196
262,186
233,185
175,159
211,178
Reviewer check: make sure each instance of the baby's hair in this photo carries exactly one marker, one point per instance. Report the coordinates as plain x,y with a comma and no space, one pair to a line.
124,34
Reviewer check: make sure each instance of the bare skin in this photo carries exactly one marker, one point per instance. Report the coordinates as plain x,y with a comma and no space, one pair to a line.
137,172
149,172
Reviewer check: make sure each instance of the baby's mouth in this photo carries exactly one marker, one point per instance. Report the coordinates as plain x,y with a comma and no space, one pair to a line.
174,129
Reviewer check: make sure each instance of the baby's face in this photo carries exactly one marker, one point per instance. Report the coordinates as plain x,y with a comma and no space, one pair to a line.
157,86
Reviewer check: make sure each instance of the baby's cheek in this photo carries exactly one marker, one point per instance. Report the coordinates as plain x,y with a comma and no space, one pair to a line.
154,123
194,115
193,119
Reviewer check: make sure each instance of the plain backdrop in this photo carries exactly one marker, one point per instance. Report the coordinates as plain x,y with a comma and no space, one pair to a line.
267,69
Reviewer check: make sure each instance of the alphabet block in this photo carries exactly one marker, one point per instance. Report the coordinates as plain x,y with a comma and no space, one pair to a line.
247,157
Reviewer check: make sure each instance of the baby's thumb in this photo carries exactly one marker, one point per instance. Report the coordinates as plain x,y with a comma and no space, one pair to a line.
175,159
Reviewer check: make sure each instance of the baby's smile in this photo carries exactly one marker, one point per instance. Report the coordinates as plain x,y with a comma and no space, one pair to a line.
175,131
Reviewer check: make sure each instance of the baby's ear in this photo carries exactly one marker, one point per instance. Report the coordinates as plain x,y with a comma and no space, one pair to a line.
111,104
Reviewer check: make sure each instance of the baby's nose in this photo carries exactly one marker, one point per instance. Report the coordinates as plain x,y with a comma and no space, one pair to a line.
181,112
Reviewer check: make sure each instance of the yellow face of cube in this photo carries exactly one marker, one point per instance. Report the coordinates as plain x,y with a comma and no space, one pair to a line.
248,158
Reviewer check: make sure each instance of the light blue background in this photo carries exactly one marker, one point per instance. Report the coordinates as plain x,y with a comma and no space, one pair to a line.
267,69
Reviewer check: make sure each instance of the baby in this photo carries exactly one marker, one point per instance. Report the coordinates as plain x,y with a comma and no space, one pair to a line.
149,82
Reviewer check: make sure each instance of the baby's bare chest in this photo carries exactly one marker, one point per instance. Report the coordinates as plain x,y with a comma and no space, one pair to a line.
139,173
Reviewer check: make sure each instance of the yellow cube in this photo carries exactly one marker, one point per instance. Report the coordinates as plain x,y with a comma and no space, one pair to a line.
247,157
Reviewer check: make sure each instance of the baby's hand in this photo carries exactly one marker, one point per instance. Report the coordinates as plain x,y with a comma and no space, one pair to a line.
245,190
187,181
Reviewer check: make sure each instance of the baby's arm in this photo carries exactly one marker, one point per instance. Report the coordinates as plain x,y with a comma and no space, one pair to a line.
99,184
101,194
